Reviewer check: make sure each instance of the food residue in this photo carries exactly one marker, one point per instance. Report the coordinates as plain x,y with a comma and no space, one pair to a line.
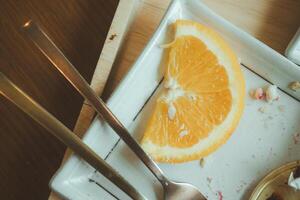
220,195
202,162
171,83
270,93
281,108
171,111
270,118
296,138
238,190
258,94
192,96
295,85
182,126
112,37
209,179
183,133
262,109
173,92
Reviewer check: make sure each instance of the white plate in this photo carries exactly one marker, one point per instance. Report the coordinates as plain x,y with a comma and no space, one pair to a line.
261,142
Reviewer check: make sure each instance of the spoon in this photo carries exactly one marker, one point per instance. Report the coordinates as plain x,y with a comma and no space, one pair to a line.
172,190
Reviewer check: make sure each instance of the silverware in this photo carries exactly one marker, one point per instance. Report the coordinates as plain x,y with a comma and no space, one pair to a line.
172,190
48,121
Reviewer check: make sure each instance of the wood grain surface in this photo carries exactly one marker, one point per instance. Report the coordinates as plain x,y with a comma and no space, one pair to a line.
30,155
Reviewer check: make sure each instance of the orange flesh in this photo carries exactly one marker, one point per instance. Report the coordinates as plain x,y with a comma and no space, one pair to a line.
204,102
207,80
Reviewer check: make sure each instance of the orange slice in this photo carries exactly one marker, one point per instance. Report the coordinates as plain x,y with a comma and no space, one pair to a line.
203,98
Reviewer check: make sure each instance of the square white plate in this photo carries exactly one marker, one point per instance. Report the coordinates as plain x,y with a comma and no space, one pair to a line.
261,142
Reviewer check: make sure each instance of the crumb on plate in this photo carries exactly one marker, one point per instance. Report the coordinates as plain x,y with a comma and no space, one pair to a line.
272,93
269,93
202,162
112,37
220,195
209,179
262,109
296,138
295,85
257,94
281,108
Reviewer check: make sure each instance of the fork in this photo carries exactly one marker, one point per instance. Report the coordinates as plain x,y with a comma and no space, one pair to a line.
60,131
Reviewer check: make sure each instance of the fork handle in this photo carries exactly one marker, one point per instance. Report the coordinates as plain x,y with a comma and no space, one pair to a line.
48,121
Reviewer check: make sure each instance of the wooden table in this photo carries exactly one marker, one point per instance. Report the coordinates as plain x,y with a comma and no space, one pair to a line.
29,155
79,29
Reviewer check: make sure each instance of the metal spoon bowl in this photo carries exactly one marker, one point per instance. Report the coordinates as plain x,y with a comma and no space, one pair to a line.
179,191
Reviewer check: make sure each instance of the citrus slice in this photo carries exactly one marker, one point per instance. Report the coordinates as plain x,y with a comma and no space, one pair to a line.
202,100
